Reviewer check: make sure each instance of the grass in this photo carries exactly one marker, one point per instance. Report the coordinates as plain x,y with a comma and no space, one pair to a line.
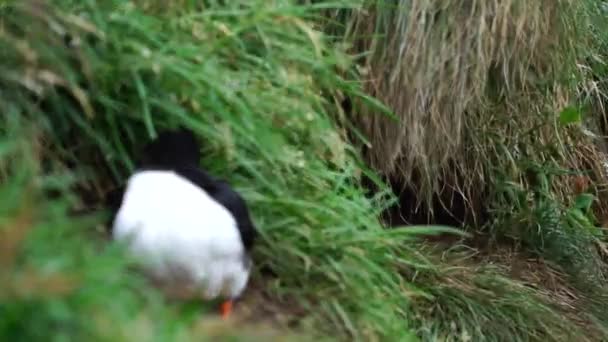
84,84
248,80
481,111
479,301
500,104
467,82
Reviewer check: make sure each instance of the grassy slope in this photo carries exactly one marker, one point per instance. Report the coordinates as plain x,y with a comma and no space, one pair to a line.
247,79
508,117
252,80
472,72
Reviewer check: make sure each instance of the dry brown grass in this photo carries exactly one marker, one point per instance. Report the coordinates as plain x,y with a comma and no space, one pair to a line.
549,283
476,85
471,280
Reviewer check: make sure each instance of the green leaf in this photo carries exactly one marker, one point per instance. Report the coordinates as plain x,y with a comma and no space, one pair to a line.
569,115
584,201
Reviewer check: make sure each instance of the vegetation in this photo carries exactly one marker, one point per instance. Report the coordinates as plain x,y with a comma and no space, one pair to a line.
487,115
84,84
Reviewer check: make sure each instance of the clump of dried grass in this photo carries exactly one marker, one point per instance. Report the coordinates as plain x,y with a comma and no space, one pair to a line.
474,86
471,283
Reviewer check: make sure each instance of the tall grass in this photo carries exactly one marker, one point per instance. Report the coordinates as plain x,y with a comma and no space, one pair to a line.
468,81
103,78
481,110
256,81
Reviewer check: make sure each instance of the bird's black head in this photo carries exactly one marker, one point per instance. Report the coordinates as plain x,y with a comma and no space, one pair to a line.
170,149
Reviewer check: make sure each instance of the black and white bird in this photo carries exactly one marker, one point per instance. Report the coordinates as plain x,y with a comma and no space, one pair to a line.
185,224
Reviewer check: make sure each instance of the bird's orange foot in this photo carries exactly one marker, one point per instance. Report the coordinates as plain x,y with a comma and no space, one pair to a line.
226,309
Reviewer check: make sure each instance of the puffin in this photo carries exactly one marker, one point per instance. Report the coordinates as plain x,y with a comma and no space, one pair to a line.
184,225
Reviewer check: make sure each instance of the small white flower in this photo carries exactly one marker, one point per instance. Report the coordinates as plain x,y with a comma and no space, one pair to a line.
146,52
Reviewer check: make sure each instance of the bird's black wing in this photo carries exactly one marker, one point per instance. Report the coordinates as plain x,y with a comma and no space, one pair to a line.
223,193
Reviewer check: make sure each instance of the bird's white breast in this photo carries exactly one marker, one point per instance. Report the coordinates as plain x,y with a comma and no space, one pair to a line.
174,224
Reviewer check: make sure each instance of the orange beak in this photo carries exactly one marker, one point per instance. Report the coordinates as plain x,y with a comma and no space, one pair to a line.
226,309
